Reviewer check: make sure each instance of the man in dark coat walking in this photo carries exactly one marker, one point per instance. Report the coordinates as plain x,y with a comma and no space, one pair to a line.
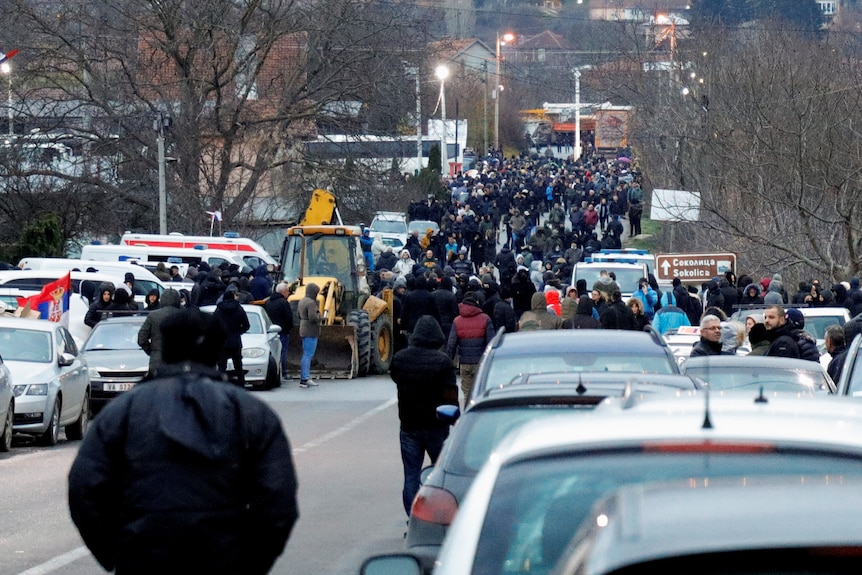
425,377
185,473
235,323
279,311
150,334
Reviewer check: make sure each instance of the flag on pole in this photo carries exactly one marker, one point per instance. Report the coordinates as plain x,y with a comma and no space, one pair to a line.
215,216
52,302
7,55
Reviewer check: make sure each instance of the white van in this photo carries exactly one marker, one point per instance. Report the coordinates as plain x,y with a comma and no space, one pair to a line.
149,254
251,252
145,280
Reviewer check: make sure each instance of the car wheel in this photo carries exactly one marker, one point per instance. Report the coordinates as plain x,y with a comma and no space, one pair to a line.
359,318
381,344
77,430
273,378
6,438
52,435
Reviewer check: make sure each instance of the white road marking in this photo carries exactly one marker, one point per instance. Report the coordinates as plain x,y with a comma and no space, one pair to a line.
57,562
346,427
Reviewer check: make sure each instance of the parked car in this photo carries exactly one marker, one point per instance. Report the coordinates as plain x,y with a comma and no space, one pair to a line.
568,463
850,382
817,319
511,355
261,348
495,414
115,360
7,407
422,226
50,382
390,228
730,526
750,373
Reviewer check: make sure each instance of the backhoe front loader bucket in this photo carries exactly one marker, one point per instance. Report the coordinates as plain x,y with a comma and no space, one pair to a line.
336,356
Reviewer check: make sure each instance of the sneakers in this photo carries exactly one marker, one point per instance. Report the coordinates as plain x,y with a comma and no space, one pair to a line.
308,383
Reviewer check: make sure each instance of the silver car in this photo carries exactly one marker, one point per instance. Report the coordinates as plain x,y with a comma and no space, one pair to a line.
261,348
7,407
50,381
115,360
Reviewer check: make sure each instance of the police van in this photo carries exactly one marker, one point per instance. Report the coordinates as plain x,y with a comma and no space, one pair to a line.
627,274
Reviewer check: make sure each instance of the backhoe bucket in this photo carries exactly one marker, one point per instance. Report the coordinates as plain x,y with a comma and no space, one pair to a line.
336,356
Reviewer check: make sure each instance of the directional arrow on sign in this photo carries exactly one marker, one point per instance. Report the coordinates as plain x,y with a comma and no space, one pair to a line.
665,265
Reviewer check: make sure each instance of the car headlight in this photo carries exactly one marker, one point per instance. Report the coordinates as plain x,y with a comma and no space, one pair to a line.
93,372
30,389
254,352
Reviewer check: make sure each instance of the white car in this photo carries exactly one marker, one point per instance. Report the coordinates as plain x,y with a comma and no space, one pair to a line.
390,228
542,480
261,348
7,407
50,381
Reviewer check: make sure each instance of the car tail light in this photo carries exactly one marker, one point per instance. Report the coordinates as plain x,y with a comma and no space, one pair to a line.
709,447
434,505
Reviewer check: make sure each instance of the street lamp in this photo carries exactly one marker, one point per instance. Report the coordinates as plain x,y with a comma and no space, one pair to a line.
6,69
507,37
442,72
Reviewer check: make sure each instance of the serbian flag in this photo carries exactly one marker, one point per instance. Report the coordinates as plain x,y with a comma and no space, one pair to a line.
7,55
52,302
215,216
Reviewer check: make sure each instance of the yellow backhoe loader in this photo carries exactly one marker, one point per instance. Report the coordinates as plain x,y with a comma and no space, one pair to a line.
356,327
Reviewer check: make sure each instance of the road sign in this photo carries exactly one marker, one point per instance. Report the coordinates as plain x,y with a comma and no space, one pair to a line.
693,267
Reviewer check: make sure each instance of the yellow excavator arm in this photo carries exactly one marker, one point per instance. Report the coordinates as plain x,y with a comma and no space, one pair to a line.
321,210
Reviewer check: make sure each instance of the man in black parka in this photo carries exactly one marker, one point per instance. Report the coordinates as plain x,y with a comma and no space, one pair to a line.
425,377
185,473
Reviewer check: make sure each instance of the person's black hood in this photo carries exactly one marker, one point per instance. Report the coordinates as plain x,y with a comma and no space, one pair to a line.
585,306
427,333
170,298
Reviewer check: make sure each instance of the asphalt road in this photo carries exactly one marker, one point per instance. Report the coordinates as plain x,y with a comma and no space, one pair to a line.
344,436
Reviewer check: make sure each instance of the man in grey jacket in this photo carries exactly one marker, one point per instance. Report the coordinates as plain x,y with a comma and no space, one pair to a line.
150,335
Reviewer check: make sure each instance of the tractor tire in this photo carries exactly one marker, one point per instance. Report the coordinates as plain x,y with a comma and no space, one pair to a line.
359,318
381,344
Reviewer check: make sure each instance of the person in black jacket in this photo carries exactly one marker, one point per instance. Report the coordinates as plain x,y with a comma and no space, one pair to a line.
279,311
235,323
426,379
503,314
103,300
185,473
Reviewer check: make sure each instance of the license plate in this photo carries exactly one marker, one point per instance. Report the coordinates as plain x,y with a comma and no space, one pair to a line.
118,386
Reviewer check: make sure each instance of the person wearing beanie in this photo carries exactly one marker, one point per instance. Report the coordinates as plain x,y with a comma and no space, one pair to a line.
759,339
806,342
471,332
425,377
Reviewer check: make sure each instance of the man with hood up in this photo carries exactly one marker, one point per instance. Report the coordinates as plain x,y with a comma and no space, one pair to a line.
471,331
260,286
150,334
104,299
538,317
425,377
234,322
185,473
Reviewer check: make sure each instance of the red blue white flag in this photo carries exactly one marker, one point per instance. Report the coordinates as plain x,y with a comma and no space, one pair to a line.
52,302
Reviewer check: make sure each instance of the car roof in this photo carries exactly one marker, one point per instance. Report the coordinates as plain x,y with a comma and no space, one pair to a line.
582,340
26,323
751,361
139,318
744,311
653,521
584,387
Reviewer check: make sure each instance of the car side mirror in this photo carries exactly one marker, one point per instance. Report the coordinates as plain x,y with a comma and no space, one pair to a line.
65,360
448,413
393,564
274,329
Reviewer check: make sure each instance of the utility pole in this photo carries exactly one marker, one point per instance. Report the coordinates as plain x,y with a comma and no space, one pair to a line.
577,115
414,72
159,124
485,98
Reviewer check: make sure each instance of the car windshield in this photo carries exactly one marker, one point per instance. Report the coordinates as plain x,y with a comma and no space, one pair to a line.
537,505
422,226
25,345
508,369
479,430
815,325
108,336
627,278
255,322
770,378
389,227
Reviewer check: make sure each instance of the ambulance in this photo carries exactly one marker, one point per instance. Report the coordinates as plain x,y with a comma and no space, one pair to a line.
251,252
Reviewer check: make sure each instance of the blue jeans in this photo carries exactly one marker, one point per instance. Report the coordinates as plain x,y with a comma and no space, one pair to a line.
414,445
285,340
309,346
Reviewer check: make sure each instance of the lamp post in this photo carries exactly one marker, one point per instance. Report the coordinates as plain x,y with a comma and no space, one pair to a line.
577,115
414,72
442,72
159,125
507,37
7,70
